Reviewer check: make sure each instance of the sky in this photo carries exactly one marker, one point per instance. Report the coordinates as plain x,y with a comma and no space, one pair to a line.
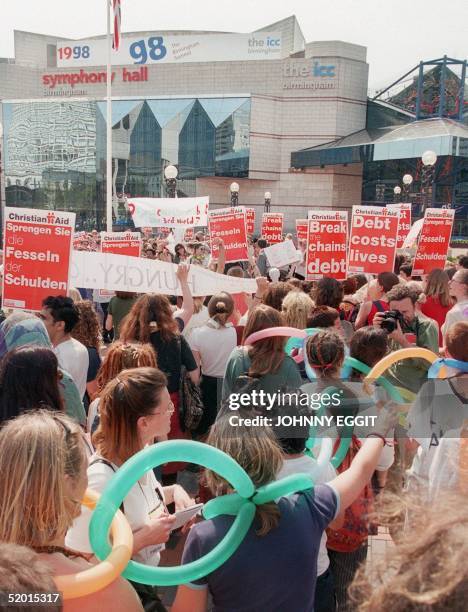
397,33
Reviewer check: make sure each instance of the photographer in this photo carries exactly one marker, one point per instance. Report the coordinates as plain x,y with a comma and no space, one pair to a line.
405,329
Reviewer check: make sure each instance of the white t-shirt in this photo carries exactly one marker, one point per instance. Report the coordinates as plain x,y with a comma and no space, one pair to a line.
307,465
141,501
196,320
459,312
215,344
73,357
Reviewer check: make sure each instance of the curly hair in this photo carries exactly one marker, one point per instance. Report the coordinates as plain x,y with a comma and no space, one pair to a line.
87,330
124,356
427,568
325,352
151,308
276,293
328,292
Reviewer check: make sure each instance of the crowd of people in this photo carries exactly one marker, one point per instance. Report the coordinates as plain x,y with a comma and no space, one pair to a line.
86,384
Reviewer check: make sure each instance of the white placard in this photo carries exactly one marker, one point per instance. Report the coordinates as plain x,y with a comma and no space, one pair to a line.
282,254
169,212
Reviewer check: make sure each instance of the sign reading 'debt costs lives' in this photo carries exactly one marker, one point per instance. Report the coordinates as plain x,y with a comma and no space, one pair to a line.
230,224
36,256
250,220
404,225
373,239
272,227
434,240
326,244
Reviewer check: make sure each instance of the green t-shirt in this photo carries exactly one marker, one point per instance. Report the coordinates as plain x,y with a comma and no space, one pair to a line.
239,363
119,309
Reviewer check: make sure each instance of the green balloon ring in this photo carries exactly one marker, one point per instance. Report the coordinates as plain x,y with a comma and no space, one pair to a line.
133,469
386,384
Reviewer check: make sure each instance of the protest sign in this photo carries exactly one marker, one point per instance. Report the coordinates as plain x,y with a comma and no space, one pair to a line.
373,239
272,227
326,244
123,243
404,224
434,240
250,220
282,254
36,257
230,225
139,275
169,212
411,239
189,234
301,229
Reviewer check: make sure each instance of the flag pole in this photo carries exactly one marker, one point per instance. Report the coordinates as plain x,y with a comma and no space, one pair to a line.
109,123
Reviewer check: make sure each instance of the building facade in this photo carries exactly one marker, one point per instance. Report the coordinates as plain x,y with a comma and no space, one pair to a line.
217,121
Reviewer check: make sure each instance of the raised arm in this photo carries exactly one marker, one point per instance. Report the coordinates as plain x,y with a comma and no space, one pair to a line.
187,300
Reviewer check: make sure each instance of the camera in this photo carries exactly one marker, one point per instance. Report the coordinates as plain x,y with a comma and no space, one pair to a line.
390,321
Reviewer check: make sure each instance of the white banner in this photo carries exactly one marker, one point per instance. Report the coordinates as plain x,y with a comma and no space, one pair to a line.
141,50
169,212
124,273
282,254
412,236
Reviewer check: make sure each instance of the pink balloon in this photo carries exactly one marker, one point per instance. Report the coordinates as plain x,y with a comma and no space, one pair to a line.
271,332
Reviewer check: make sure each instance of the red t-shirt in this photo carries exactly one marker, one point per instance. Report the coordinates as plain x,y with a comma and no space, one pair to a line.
433,309
374,310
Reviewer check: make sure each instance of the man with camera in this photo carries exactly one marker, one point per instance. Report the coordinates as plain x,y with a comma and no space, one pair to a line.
406,329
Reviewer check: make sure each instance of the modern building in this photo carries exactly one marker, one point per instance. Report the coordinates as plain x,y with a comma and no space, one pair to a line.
251,108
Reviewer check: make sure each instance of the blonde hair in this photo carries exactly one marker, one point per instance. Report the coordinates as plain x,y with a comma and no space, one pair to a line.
427,569
256,450
296,309
74,294
37,450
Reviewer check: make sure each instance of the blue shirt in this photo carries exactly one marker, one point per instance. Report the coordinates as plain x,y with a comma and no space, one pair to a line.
276,572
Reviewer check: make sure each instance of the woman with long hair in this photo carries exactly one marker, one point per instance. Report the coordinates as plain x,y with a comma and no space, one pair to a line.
275,566
151,320
87,331
120,356
38,366
438,301
42,481
265,360
25,329
329,292
135,408
347,546
212,345
119,306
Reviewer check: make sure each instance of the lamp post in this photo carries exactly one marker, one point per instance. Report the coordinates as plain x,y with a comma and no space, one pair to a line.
170,174
407,181
396,193
429,159
266,207
234,189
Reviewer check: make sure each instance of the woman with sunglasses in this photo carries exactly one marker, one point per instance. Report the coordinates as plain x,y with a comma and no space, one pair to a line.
135,408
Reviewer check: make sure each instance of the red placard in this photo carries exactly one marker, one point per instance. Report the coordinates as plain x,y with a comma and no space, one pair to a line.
404,225
121,243
272,227
36,257
189,234
434,240
250,220
230,225
326,244
373,239
301,229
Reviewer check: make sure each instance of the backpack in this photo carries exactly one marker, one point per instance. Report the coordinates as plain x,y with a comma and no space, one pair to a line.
355,530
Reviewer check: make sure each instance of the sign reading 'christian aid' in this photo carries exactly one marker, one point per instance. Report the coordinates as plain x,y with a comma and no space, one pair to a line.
373,239
301,229
326,244
404,225
123,243
169,212
36,256
230,225
272,227
434,240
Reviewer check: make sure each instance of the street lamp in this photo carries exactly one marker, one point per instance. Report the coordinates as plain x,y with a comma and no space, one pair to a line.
170,174
267,201
429,159
397,192
407,181
234,188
